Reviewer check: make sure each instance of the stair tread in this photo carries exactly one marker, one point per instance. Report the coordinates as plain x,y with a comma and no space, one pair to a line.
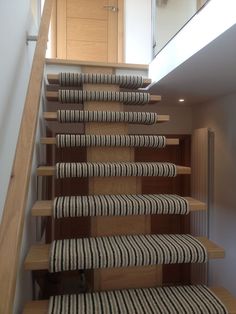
36,307
52,116
38,256
52,141
51,170
41,307
54,79
53,96
44,208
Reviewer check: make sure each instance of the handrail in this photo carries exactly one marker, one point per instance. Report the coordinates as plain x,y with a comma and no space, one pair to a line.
14,210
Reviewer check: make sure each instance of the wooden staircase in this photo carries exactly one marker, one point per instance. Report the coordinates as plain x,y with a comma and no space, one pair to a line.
111,225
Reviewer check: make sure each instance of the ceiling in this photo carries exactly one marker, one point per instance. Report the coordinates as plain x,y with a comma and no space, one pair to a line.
208,74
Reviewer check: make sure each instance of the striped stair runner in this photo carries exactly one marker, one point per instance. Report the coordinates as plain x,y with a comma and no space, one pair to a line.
119,205
167,300
79,96
74,116
77,140
119,251
125,251
78,79
99,169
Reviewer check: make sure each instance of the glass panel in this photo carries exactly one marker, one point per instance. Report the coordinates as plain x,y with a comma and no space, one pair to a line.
169,16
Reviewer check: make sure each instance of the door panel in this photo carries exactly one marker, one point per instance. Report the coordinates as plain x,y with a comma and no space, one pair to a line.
86,30
87,9
87,51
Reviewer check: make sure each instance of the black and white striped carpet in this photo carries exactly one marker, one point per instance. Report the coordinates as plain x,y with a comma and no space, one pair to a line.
123,169
119,205
125,251
165,300
78,79
74,116
79,96
78,140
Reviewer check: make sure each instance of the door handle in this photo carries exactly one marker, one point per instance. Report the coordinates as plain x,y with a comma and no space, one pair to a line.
111,8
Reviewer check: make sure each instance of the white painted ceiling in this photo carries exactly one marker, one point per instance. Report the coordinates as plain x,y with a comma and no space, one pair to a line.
208,74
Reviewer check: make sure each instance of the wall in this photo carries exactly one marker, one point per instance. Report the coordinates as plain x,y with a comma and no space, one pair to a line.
219,116
138,30
180,120
171,17
15,65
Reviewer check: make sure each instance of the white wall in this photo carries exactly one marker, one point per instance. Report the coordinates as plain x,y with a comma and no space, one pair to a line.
171,17
138,30
219,115
180,120
15,64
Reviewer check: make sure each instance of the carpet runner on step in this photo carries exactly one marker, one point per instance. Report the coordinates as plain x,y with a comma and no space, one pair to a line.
125,251
73,116
119,205
77,140
78,79
79,96
99,169
165,300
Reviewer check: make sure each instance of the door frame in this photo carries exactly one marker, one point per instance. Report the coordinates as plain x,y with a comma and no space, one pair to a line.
58,46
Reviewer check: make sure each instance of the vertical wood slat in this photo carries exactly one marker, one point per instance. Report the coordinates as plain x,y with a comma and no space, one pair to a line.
61,29
200,191
120,57
112,40
53,31
14,210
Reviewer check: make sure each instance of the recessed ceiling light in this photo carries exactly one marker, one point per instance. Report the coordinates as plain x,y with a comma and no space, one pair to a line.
181,100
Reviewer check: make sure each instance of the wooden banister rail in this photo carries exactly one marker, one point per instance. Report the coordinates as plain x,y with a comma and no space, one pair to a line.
14,210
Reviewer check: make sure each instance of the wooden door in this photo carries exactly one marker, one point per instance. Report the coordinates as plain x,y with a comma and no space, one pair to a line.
88,30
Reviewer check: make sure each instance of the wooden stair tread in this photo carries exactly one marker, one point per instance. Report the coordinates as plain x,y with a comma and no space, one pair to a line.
36,307
226,298
54,79
52,141
53,96
41,307
52,116
38,256
44,208
51,170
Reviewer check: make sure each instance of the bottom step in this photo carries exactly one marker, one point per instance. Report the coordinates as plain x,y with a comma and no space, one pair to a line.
145,298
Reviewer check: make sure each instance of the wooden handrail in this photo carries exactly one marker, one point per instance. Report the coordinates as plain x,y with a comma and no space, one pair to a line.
14,210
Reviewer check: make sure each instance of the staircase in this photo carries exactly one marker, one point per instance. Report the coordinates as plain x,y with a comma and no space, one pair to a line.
124,257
